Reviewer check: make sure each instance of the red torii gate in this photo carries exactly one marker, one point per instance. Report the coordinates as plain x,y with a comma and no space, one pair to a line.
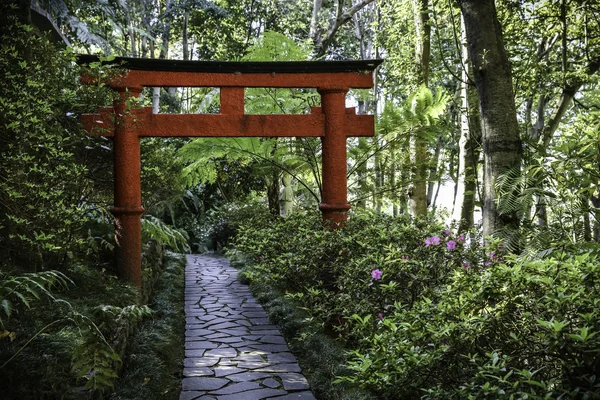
332,122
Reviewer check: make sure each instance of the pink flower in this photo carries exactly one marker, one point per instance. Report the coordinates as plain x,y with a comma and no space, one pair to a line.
461,238
447,232
432,241
380,316
405,258
376,274
465,265
451,244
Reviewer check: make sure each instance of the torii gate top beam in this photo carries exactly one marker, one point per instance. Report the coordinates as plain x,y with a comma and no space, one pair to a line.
273,74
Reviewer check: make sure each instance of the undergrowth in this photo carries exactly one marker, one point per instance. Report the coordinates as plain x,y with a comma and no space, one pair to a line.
153,365
320,357
419,310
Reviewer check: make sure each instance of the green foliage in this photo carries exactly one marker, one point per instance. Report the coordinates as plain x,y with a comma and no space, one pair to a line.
330,270
45,194
427,312
23,289
152,365
154,228
94,359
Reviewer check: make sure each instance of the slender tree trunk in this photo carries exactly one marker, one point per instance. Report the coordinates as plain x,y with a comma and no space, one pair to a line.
468,146
433,171
186,53
273,192
418,190
166,34
315,31
501,141
377,195
423,44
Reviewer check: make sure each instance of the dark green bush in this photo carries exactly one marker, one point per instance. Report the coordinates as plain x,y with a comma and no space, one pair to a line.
426,312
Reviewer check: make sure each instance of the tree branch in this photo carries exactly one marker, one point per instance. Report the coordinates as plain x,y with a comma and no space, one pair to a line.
334,26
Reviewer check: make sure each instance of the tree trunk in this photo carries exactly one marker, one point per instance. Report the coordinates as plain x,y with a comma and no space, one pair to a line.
186,52
501,141
273,192
417,193
433,171
423,44
418,190
315,31
468,148
166,35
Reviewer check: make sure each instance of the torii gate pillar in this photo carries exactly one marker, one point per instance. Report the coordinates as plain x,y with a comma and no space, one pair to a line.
127,208
332,122
334,204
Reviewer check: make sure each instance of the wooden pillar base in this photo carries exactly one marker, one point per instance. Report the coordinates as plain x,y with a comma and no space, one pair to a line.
334,215
128,250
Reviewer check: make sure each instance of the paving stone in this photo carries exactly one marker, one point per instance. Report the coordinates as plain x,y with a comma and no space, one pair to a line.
223,325
235,332
272,339
250,357
247,376
190,395
257,314
200,345
237,388
203,383
280,368
264,332
217,335
253,394
198,371
200,362
264,327
307,395
226,370
198,332
228,339
294,381
246,343
194,353
253,365
259,321
272,383
282,357
271,348
226,352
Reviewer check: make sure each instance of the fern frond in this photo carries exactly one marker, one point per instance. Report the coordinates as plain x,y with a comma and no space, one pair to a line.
166,235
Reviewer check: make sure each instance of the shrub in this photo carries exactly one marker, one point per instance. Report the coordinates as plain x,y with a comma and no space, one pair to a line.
426,312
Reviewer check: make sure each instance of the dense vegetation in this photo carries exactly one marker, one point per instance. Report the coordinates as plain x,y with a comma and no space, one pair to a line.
425,311
468,268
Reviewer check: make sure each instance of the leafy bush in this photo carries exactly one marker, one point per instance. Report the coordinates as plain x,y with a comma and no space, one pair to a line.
45,189
426,312
331,271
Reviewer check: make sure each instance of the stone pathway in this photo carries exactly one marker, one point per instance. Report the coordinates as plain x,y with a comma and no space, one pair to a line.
232,352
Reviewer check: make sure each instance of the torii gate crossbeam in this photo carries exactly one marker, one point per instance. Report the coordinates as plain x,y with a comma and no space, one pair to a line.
332,122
